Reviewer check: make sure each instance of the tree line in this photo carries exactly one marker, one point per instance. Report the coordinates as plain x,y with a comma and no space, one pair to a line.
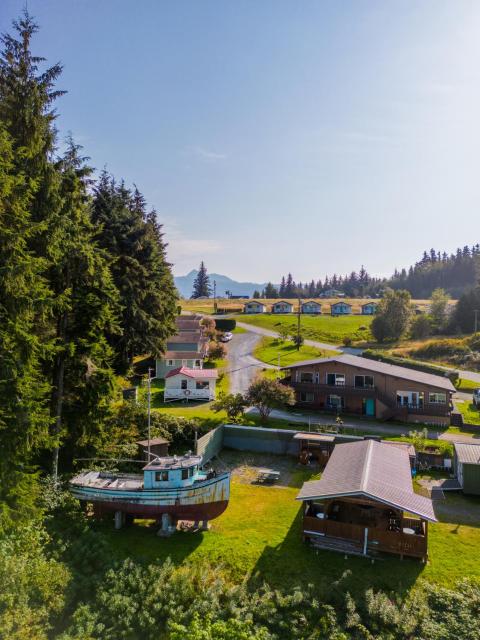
455,273
84,280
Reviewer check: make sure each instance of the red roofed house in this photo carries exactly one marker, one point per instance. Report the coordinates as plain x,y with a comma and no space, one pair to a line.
190,384
365,503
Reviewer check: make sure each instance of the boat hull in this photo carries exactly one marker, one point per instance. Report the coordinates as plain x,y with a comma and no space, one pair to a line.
203,501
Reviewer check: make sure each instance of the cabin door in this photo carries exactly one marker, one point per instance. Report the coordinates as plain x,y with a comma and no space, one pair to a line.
368,406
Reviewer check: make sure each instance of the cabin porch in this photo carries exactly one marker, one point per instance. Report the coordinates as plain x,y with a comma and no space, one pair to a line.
364,527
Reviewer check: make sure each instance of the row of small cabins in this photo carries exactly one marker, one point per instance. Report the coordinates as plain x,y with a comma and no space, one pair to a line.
310,307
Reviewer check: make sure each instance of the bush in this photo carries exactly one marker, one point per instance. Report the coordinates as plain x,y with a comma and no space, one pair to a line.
225,324
266,394
216,351
233,404
421,327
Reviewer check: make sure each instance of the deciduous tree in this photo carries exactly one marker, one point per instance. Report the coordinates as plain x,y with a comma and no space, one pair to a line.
266,395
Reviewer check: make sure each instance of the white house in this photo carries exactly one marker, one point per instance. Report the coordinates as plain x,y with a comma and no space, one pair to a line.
190,384
341,309
253,306
369,308
310,306
282,306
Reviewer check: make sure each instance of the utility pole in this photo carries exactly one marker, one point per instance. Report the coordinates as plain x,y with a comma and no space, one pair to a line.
149,380
215,296
298,322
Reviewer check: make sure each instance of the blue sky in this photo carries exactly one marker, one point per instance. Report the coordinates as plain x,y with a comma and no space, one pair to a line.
277,136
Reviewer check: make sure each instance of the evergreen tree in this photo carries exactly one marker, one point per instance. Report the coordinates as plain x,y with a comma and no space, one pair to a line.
281,291
464,314
256,294
290,288
134,242
270,291
29,200
201,284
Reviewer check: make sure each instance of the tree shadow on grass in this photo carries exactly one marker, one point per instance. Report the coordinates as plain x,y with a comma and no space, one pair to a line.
295,563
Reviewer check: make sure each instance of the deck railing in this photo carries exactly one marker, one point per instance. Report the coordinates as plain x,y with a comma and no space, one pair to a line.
377,539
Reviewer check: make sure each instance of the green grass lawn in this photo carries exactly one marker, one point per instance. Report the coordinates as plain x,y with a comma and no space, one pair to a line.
467,385
322,328
269,349
471,415
259,538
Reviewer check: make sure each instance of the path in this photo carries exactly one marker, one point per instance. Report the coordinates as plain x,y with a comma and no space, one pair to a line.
243,367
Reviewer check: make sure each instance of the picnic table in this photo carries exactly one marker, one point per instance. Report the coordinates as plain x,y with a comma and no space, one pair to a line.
268,475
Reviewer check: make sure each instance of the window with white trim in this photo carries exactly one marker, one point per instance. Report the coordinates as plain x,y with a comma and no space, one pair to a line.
306,376
306,396
437,398
364,382
202,384
336,402
170,363
336,379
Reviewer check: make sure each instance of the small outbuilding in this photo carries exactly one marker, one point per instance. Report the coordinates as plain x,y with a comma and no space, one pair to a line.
467,467
190,384
369,309
282,306
158,448
340,309
254,306
311,307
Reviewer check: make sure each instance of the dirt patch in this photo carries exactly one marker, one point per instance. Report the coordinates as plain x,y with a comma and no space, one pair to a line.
245,465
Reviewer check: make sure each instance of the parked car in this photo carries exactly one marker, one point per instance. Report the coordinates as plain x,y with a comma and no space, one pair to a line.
476,398
226,337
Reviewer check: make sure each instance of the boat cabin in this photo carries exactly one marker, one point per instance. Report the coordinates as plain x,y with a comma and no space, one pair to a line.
364,503
172,472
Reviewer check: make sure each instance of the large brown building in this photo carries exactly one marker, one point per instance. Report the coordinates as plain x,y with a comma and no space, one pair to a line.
350,384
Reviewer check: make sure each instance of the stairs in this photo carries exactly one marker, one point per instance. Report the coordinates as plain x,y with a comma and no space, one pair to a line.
349,547
456,419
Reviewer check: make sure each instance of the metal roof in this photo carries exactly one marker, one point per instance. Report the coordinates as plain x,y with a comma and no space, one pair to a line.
467,453
394,370
153,441
369,469
183,355
314,437
193,373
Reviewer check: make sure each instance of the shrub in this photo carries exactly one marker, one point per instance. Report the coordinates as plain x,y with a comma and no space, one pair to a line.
233,404
225,324
266,394
421,327
216,351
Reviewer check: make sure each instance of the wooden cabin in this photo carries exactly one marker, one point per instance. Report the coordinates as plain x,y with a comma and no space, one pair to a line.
254,306
340,309
282,306
369,308
364,503
311,307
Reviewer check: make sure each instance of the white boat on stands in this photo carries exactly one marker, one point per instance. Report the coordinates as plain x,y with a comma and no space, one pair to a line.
171,488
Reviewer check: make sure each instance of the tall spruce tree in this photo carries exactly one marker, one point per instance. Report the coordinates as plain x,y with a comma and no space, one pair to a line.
201,284
84,312
28,200
134,241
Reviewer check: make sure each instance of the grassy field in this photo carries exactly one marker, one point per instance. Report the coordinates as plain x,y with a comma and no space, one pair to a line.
467,385
259,538
322,328
471,415
270,349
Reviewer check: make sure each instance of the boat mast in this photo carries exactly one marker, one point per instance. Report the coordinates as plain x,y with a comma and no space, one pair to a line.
149,380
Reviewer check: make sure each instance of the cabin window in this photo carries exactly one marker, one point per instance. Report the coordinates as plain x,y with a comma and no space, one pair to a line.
161,476
437,398
306,376
202,384
170,363
185,474
336,379
306,397
364,382
184,384
336,402
197,363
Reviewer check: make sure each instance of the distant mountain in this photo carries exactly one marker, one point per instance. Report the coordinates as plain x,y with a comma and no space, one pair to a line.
184,285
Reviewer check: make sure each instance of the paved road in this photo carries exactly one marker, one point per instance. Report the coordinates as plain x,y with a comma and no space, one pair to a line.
369,427
242,366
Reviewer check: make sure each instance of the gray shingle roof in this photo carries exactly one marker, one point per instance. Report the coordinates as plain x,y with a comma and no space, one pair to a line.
467,453
428,379
371,469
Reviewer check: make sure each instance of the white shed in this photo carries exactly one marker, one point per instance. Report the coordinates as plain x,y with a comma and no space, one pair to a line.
253,306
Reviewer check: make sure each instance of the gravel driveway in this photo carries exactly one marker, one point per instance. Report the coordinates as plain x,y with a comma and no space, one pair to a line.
242,366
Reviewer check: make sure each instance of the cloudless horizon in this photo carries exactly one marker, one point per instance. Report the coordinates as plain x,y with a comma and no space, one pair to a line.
279,136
